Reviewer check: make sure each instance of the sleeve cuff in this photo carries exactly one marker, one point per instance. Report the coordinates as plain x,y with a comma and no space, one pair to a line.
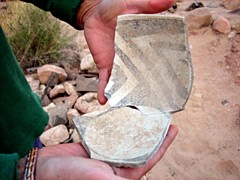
66,10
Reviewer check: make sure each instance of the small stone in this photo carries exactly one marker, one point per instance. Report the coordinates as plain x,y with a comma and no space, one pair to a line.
70,101
73,82
46,108
224,102
232,34
195,5
46,71
69,88
213,4
34,83
45,101
58,120
222,25
88,64
59,110
231,4
87,103
87,83
75,137
71,114
55,135
58,89
70,131
59,100
42,87
199,18
71,71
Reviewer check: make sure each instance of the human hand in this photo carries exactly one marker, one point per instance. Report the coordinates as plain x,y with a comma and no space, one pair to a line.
98,18
70,161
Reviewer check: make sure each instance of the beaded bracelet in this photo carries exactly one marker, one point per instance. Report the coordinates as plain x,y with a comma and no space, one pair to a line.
29,172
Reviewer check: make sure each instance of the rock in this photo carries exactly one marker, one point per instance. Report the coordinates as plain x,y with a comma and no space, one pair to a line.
69,88
222,25
75,137
59,110
232,35
173,9
58,120
231,4
234,21
224,102
58,89
70,131
46,71
55,135
46,108
73,82
59,100
195,5
45,101
88,64
84,53
71,71
43,89
87,83
198,18
87,103
71,114
213,4
70,101
34,83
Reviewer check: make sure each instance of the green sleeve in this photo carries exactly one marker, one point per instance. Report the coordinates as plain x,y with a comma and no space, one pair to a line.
63,9
22,118
8,166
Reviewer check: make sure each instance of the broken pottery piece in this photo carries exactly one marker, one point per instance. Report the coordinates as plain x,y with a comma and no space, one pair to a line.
151,78
123,136
152,65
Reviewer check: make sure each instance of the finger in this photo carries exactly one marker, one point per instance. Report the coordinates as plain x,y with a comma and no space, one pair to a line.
104,75
148,6
101,45
160,5
136,173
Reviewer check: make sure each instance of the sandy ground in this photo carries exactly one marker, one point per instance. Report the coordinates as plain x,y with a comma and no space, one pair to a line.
208,143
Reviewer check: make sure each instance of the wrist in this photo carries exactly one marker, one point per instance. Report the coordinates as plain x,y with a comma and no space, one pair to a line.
27,165
85,10
21,167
